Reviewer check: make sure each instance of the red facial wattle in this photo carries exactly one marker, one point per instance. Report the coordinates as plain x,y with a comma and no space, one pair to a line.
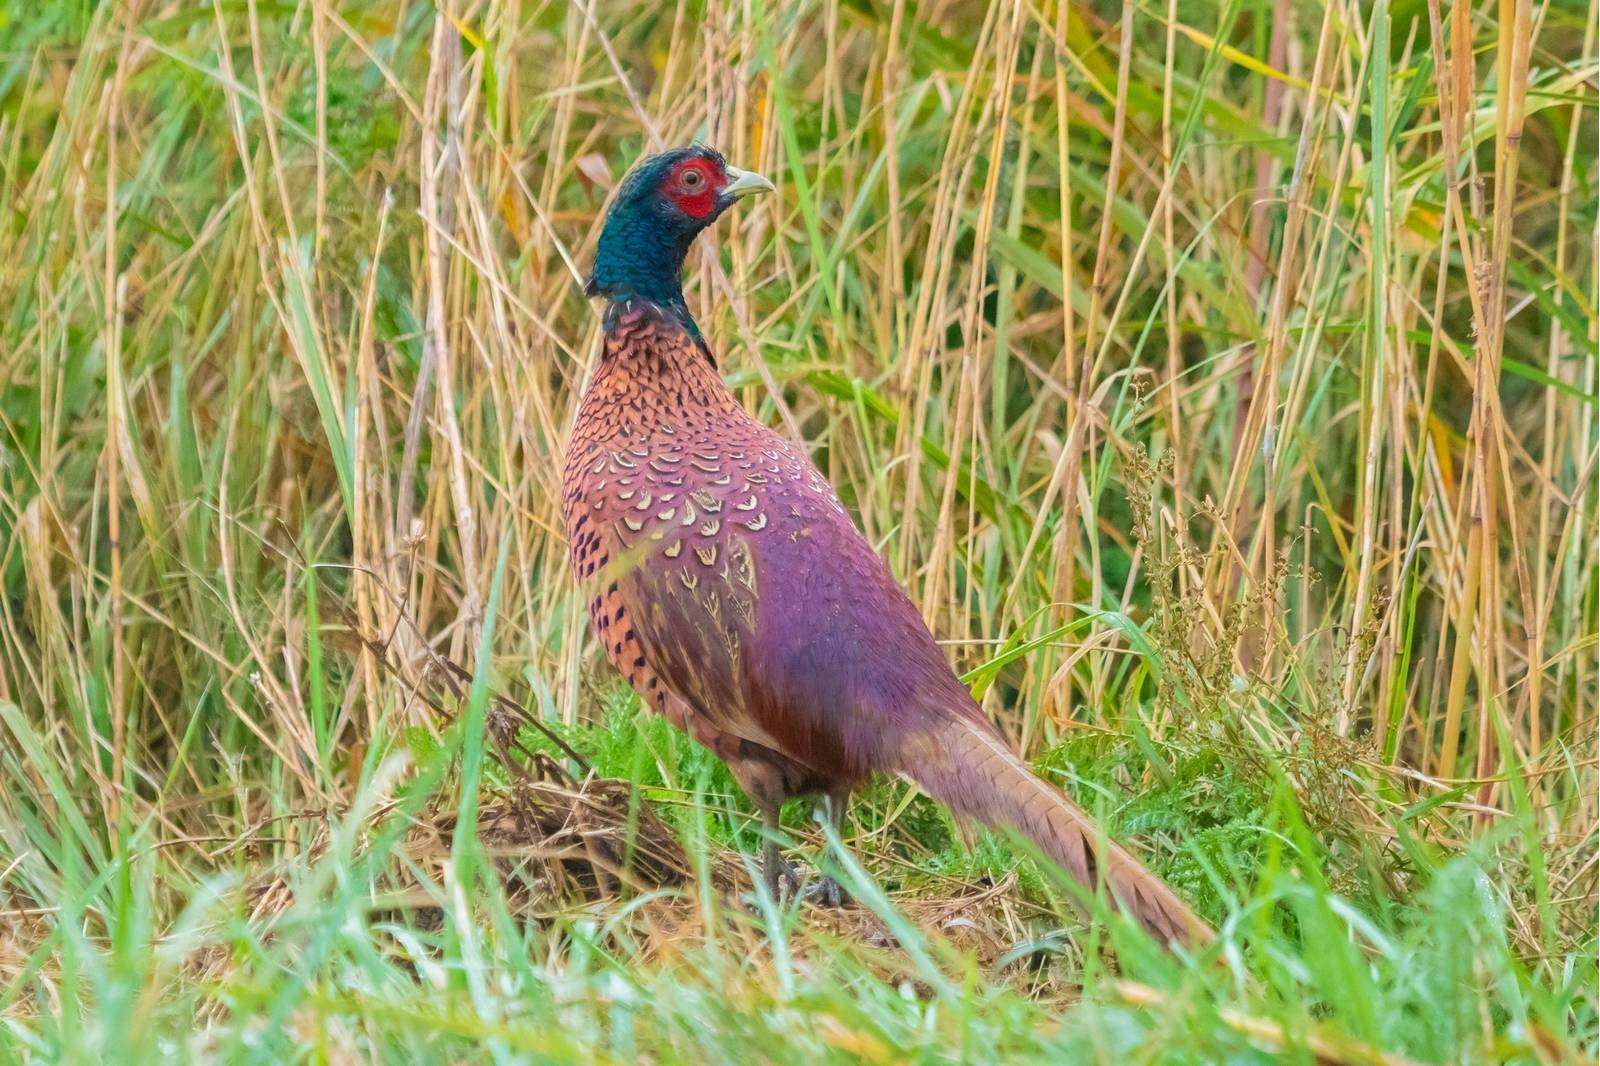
695,196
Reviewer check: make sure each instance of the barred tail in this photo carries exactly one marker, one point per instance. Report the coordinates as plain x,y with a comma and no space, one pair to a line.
968,767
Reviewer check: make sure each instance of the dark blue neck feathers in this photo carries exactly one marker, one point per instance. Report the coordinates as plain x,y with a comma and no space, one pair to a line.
640,260
637,261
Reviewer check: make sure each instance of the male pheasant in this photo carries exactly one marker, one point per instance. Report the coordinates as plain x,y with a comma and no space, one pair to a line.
731,588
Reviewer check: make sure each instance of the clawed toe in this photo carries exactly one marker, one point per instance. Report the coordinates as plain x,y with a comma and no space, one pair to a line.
784,882
781,878
826,892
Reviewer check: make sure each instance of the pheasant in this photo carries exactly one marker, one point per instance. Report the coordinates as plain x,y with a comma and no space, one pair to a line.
731,588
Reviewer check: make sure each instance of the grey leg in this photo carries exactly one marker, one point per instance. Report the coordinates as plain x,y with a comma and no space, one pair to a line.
763,783
775,870
828,892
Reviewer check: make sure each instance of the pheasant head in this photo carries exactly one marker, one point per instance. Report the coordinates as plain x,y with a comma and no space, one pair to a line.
664,202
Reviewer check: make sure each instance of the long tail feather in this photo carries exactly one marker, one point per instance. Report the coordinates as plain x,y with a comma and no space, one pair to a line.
967,766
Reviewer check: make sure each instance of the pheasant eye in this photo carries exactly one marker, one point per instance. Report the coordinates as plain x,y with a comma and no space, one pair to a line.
693,179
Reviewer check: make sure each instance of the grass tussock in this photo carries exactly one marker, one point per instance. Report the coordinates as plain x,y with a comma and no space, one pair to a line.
1221,379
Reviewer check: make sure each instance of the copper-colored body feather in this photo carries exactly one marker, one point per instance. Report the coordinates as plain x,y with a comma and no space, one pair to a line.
730,587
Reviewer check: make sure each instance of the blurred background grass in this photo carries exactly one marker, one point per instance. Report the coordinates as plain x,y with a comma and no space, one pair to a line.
1220,378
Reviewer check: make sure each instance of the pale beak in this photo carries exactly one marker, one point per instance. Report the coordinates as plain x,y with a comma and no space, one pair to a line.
745,182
